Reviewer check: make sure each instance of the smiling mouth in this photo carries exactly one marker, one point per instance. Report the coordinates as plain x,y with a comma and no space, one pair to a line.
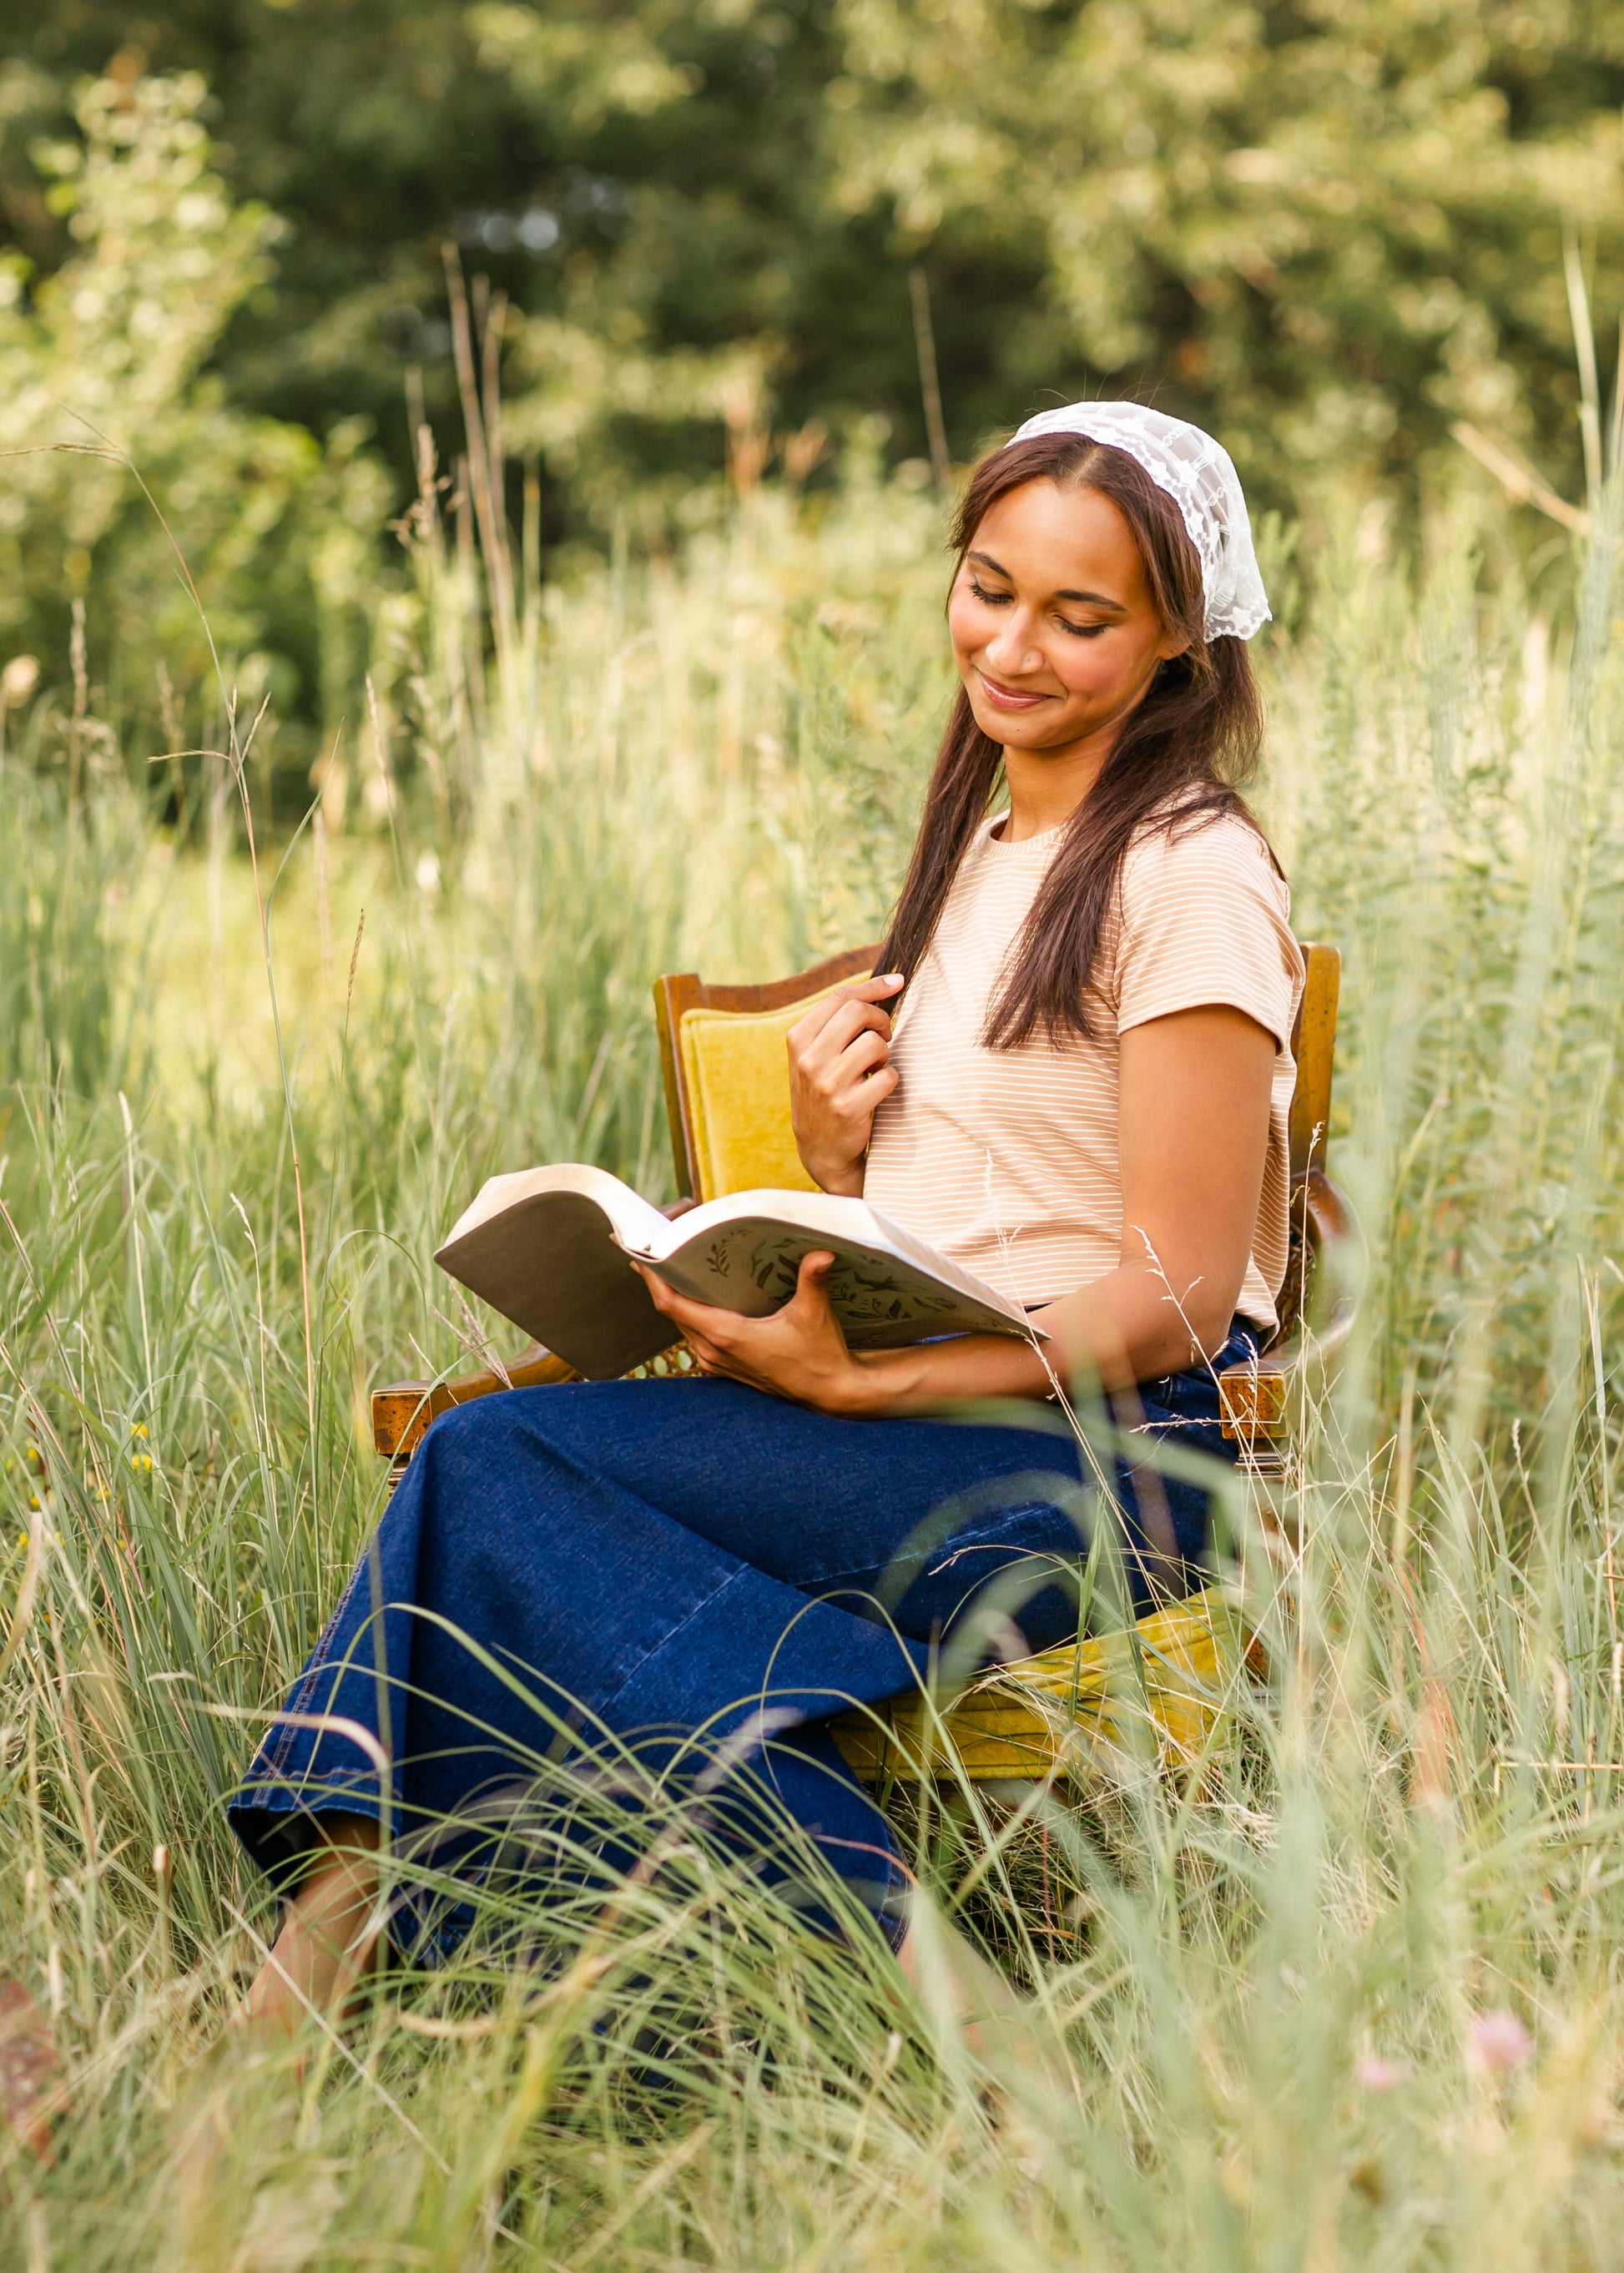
1011,698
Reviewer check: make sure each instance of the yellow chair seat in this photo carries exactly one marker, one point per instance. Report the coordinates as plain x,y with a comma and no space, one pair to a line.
1158,1688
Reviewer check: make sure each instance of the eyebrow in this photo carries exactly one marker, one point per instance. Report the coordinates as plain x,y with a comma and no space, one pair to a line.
1089,599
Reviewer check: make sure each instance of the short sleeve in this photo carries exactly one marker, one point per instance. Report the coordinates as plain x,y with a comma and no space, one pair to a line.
1206,918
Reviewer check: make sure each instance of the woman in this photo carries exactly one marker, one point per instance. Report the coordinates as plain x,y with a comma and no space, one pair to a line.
1075,1081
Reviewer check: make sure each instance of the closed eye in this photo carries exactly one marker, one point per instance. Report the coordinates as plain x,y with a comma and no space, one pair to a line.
989,599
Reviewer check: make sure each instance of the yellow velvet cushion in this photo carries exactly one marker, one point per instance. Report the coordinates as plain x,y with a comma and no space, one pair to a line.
736,1069
1162,1685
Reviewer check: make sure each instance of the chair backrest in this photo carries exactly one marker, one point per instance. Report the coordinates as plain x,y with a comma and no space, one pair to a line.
727,1074
1313,1046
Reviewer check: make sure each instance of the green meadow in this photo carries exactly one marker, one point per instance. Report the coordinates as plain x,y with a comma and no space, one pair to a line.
1351,1996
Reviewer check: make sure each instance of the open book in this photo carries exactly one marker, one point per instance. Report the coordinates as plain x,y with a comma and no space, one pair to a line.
549,1248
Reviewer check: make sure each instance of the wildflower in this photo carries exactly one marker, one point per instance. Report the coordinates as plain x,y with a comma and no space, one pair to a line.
1379,2075
1496,2043
18,680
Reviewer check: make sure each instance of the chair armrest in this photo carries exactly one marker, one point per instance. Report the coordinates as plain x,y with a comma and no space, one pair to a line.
1252,1398
402,1410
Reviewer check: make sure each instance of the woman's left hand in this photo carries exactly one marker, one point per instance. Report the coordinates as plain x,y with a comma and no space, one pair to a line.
798,1352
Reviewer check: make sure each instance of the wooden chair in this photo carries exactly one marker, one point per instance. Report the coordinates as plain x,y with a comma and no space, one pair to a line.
726,1077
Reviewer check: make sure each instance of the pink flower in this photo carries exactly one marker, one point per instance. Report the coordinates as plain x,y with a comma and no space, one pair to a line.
1496,2043
1378,2074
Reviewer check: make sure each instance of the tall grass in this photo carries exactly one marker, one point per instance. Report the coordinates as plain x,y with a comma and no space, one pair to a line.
1351,1999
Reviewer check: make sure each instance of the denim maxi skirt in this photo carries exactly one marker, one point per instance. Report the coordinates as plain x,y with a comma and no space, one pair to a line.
697,1576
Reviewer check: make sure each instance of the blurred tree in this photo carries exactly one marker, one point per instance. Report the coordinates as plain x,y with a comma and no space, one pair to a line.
103,355
1325,227
644,178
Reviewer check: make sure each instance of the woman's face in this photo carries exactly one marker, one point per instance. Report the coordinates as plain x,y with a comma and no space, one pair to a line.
1054,630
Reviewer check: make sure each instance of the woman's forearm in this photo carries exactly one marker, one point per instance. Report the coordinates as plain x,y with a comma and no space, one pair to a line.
966,1367
1124,1328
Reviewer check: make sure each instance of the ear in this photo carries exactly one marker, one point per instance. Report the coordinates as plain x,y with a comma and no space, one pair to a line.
1173,643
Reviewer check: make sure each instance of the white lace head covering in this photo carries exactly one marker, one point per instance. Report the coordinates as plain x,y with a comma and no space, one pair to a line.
1199,474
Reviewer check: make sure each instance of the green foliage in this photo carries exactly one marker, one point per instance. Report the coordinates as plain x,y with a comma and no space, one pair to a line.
103,370
1321,230
1326,231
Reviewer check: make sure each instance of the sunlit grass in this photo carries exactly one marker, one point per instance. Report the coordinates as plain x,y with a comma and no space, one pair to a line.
1351,1998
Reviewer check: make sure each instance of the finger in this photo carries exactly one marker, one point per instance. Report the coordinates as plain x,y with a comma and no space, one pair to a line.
808,1305
865,1096
813,1021
721,1365
811,1303
856,1103
659,1294
862,1056
822,1067
719,1368
706,1348
849,1020
692,1316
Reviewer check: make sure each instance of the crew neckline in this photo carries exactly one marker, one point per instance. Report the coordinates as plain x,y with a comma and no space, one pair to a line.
1048,838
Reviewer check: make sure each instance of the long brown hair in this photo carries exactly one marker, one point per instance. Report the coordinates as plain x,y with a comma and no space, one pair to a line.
1179,762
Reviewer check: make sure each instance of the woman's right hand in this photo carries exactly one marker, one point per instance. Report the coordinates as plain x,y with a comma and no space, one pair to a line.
839,1071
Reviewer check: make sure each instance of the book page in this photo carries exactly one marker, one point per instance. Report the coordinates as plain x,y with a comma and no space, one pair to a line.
750,1262
848,1226
636,1222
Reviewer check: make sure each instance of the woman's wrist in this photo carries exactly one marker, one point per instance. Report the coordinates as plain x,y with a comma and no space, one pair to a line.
873,1382
844,1179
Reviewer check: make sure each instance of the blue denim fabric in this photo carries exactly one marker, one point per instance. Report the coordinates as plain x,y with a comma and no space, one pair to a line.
654,1560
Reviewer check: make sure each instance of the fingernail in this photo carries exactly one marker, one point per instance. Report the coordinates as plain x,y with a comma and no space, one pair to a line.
891,979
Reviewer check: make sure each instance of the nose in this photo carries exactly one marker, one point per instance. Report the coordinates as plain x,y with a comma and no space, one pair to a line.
1012,650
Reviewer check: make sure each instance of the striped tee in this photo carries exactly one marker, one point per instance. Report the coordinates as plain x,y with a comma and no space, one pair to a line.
1007,1159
